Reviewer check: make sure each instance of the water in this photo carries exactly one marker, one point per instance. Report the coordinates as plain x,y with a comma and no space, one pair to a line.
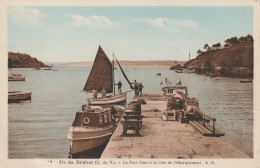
38,129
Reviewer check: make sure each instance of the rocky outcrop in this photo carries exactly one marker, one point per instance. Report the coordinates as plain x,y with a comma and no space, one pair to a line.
20,60
234,61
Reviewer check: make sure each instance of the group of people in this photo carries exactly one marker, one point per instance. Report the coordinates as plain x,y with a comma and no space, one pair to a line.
138,87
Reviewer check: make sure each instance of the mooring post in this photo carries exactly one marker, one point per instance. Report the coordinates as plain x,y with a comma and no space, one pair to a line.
204,120
214,126
182,117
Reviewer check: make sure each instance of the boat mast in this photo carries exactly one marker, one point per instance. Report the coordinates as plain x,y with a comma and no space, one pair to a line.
189,58
113,73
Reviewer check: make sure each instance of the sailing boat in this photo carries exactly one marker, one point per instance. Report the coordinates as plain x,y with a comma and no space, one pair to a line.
93,127
102,75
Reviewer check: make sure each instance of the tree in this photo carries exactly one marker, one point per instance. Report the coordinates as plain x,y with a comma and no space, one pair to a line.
249,38
199,52
232,40
206,47
218,45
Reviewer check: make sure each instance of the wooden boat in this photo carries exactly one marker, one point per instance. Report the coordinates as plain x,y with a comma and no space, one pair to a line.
37,68
49,67
90,129
108,100
93,127
246,80
172,90
16,75
16,78
102,75
212,75
178,71
158,74
17,96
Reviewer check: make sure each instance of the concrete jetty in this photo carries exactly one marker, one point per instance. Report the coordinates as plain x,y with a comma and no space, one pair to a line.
167,139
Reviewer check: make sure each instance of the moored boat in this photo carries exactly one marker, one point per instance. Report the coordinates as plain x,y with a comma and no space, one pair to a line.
17,96
16,78
90,129
16,74
212,75
119,98
172,90
102,76
246,80
178,71
37,68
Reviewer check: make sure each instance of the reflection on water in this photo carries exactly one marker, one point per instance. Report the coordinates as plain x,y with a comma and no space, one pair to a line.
39,129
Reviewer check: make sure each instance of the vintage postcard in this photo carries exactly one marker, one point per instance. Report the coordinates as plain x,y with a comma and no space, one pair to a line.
129,84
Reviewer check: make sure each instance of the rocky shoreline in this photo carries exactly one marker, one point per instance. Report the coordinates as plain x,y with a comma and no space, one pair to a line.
20,60
234,59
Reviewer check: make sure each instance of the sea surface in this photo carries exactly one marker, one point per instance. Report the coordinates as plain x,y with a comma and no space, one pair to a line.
38,129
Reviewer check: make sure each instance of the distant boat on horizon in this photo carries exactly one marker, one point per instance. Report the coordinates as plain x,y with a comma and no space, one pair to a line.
246,80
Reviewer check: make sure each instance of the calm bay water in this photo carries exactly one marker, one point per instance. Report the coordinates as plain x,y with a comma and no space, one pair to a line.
38,129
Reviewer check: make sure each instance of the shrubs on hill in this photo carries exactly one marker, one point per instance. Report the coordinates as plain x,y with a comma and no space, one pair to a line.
20,60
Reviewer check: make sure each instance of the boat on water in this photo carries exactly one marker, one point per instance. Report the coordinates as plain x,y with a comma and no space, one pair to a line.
90,129
158,74
102,75
178,71
18,96
246,80
211,75
93,127
37,68
16,78
16,74
48,68
170,90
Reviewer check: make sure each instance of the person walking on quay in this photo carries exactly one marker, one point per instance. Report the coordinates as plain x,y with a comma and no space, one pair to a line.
141,86
119,86
104,92
136,87
95,93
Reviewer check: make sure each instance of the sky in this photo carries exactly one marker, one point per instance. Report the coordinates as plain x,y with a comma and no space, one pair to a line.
73,34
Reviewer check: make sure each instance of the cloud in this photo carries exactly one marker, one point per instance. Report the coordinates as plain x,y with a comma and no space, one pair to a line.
169,24
25,16
93,22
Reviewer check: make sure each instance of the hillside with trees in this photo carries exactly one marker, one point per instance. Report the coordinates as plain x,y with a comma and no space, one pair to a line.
20,60
234,59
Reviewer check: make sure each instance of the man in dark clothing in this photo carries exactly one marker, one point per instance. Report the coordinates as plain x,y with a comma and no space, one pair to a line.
119,86
140,88
136,87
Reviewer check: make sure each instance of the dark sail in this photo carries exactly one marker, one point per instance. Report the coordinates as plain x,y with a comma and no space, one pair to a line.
125,75
100,74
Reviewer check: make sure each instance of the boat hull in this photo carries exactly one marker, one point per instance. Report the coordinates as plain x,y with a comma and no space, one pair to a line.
86,138
109,100
16,78
18,97
246,81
